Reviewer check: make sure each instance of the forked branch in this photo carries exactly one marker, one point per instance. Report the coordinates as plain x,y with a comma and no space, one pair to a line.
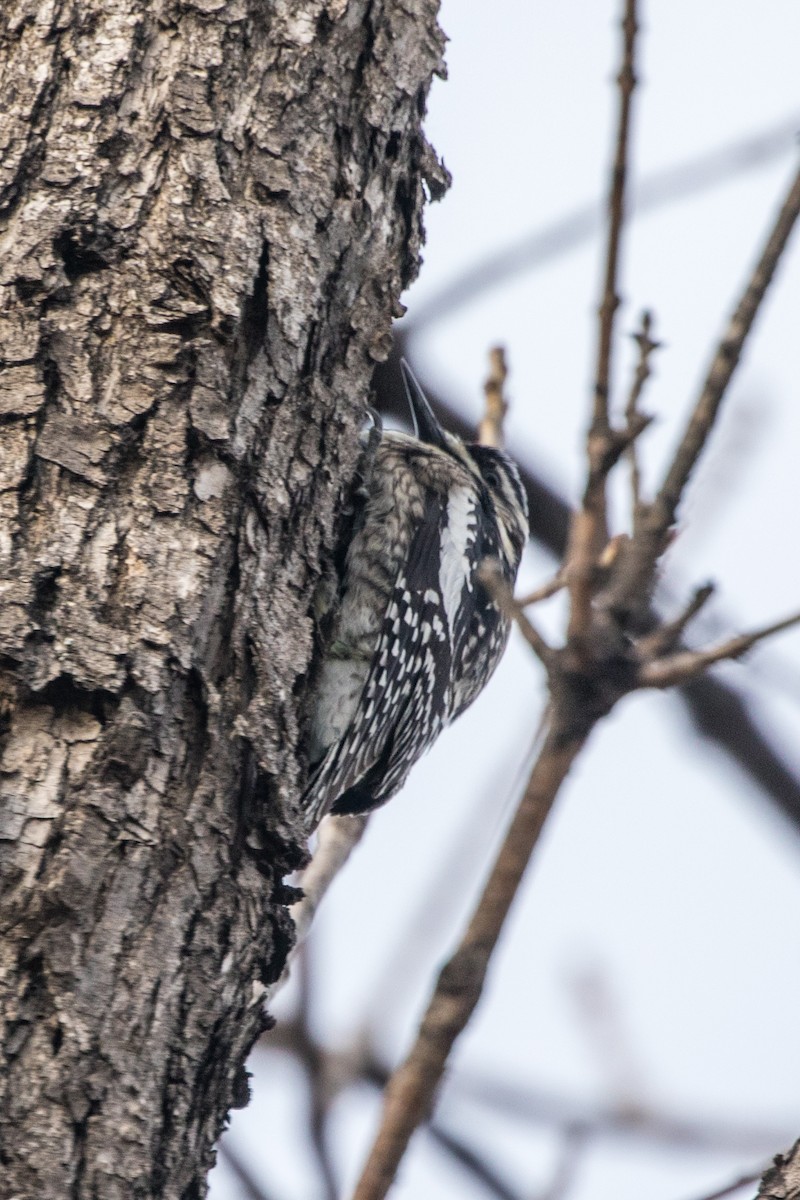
609,581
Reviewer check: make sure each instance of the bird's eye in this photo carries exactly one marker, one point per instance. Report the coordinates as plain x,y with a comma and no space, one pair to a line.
492,477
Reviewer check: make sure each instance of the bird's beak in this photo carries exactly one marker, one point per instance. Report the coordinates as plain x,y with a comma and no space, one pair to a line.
426,427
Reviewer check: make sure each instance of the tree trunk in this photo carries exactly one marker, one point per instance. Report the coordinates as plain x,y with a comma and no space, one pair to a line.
208,211
782,1180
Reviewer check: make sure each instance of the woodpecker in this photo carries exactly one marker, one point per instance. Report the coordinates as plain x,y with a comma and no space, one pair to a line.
416,636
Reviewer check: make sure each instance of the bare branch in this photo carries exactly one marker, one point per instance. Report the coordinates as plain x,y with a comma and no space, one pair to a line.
490,430
409,1094
626,81
336,840
666,638
680,668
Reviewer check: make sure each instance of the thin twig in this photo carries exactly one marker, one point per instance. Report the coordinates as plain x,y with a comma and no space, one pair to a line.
336,840
253,1188
475,1164
626,81
503,597
601,1021
679,668
645,1124
409,1095
312,1059
735,1185
576,1140
490,429
643,371
666,638
556,584
652,535
727,357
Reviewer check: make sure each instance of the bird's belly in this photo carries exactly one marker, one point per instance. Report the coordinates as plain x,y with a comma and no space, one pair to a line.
340,688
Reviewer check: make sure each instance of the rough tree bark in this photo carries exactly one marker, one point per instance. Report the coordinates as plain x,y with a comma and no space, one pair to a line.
782,1180
208,209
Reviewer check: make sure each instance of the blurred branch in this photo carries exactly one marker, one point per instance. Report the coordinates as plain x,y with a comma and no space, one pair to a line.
354,1066
252,1189
313,1060
475,1164
686,179
548,589
576,1140
433,911
722,716
645,1123
601,1021
735,1186
668,636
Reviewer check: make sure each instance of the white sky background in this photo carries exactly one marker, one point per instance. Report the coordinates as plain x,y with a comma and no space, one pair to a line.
661,868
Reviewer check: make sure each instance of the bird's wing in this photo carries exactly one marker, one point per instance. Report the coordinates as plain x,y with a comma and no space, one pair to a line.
407,695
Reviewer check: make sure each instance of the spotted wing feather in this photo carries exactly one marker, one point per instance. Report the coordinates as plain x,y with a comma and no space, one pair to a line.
406,696
440,639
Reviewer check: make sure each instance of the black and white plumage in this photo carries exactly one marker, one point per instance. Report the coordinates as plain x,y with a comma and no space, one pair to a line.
417,635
